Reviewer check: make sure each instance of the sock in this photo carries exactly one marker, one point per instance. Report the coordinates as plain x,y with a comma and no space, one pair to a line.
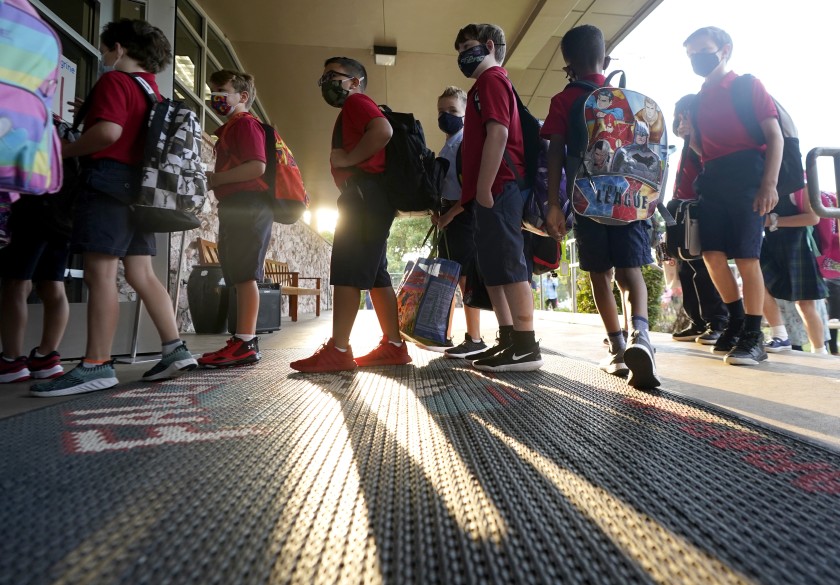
752,323
505,332
474,340
779,331
832,343
168,347
523,339
639,323
736,309
92,363
7,359
244,336
38,354
617,342
395,343
796,347
819,350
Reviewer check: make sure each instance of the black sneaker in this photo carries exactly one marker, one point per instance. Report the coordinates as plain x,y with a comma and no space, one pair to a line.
688,334
749,351
709,337
492,351
639,357
512,360
467,348
726,341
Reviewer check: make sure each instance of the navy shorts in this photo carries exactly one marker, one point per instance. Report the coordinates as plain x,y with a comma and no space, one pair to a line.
602,247
499,242
361,235
245,221
727,190
102,222
457,241
34,253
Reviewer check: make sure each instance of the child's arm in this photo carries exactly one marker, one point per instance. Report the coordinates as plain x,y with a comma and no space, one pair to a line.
555,220
100,136
247,171
767,197
491,159
377,135
806,218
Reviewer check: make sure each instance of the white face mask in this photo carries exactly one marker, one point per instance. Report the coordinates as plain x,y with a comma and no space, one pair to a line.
103,69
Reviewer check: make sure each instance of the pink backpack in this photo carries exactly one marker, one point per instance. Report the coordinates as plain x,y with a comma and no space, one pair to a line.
30,151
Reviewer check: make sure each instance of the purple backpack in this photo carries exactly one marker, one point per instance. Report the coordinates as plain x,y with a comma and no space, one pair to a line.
30,151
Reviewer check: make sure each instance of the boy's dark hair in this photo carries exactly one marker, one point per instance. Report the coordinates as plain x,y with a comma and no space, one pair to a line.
719,36
583,47
143,42
239,80
456,92
683,106
351,66
483,33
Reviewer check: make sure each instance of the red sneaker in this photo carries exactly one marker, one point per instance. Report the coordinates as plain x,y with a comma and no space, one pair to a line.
15,371
42,368
326,359
385,354
235,353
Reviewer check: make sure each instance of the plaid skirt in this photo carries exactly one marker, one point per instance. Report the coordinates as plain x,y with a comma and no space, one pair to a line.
790,266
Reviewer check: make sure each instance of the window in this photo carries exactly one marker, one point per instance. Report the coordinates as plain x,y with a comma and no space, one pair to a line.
200,50
131,9
81,16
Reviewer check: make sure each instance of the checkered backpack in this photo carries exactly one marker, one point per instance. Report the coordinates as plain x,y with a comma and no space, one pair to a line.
174,186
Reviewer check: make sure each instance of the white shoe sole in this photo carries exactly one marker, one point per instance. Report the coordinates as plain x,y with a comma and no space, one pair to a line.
462,355
620,370
515,367
174,370
21,376
91,386
777,349
43,374
736,361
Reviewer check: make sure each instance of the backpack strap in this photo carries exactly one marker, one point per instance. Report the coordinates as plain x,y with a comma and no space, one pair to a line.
520,181
742,98
622,80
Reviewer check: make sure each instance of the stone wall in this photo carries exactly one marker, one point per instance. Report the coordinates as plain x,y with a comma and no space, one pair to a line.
298,245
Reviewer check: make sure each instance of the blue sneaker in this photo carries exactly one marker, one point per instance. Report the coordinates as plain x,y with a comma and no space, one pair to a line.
777,345
79,380
172,365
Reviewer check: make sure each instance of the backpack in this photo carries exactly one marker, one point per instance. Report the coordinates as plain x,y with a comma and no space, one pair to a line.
30,151
609,177
282,177
546,253
791,173
409,164
173,185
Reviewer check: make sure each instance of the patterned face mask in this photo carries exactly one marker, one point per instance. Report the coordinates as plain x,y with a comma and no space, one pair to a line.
219,103
333,93
469,60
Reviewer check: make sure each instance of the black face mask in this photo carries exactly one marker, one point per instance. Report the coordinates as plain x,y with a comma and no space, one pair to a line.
333,93
450,123
704,63
469,60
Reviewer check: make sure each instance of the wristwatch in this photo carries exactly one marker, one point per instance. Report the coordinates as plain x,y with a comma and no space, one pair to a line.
774,222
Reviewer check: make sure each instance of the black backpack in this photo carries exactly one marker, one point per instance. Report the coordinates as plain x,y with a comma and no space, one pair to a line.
409,164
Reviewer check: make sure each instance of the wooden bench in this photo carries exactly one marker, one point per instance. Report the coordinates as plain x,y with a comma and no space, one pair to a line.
279,273
276,272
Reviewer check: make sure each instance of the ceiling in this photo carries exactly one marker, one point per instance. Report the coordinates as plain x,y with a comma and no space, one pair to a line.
285,43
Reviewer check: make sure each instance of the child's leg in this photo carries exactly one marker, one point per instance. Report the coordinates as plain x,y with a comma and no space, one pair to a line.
103,304
56,314
384,301
631,282
141,277
813,324
520,303
345,308
771,311
14,313
604,300
247,307
722,277
753,284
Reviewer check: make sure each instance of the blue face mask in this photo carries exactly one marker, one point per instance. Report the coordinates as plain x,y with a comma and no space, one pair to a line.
469,60
450,123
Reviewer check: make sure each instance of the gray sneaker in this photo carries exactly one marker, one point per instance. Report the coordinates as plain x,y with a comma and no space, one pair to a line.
172,365
79,380
639,357
467,348
614,364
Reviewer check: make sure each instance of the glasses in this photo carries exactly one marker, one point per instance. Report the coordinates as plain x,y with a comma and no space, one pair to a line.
332,75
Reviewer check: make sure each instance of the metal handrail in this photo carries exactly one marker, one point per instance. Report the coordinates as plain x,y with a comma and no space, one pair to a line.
814,182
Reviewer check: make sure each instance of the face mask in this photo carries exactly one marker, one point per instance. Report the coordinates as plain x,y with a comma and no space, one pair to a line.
469,60
333,93
704,63
450,123
103,69
220,104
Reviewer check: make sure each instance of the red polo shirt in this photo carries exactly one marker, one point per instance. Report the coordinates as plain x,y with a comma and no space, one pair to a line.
557,121
498,103
721,131
688,170
241,139
356,113
119,99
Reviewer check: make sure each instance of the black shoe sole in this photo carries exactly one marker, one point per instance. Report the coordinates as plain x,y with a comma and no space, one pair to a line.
642,369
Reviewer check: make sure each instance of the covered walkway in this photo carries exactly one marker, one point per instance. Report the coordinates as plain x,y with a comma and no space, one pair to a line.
431,472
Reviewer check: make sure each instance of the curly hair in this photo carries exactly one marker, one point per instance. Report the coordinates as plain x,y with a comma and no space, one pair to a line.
143,42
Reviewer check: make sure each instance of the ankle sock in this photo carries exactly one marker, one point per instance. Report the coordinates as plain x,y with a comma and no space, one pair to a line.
752,323
779,331
639,323
168,347
92,363
617,342
7,359
819,350
523,339
244,336
505,333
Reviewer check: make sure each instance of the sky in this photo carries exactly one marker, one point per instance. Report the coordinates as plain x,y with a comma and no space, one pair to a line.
791,46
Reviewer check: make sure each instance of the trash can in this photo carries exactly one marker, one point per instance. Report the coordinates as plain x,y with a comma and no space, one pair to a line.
208,299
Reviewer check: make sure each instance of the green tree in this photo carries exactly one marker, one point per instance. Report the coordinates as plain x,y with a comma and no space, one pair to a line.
406,238
654,279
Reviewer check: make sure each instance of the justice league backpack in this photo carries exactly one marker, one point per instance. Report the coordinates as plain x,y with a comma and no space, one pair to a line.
617,153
